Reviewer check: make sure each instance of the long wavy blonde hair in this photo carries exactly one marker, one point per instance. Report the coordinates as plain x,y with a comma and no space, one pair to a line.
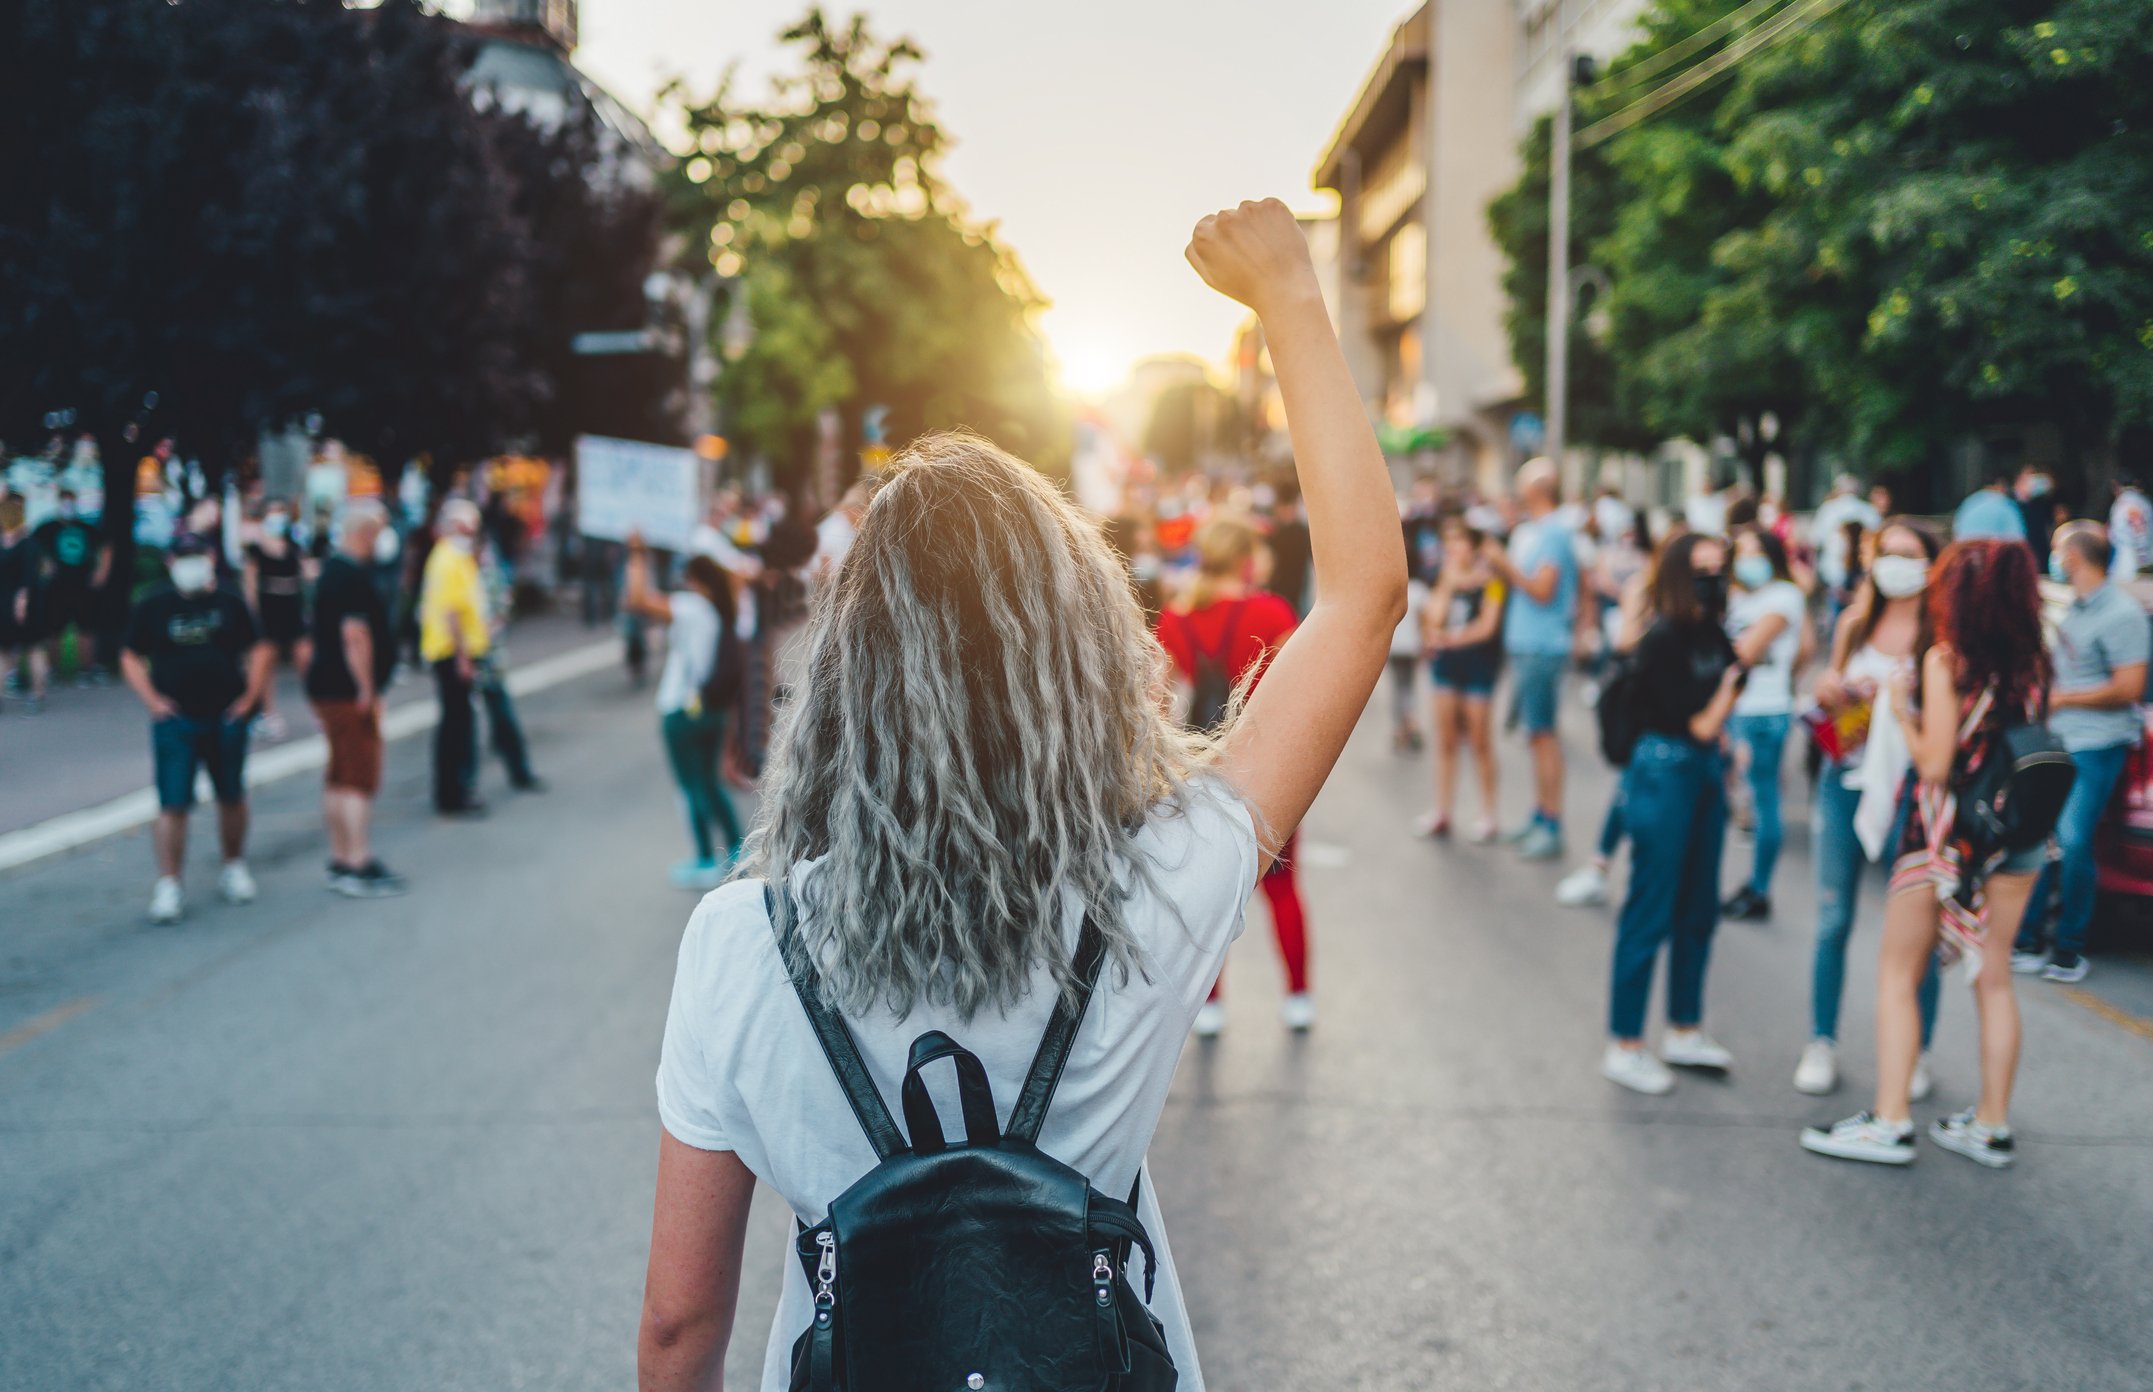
978,735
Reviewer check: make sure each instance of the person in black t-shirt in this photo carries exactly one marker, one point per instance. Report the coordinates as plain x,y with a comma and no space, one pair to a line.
1674,798
275,584
76,560
351,655
197,661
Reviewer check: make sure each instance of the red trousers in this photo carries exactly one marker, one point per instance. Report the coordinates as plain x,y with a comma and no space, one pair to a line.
1289,921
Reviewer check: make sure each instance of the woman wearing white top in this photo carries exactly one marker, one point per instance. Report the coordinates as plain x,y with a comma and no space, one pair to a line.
1764,618
1882,633
980,755
696,617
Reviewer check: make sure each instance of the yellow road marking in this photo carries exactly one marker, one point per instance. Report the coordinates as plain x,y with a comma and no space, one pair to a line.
2077,995
41,1024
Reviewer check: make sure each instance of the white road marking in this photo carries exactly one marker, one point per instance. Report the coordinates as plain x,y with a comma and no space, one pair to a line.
73,830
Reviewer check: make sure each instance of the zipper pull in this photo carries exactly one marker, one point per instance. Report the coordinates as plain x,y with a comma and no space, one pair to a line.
825,1277
1102,1278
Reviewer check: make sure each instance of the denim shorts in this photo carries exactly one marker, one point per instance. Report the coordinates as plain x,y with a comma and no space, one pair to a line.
1469,674
1536,691
182,744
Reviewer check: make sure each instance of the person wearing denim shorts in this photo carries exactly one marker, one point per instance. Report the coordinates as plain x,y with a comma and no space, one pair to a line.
1539,569
197,661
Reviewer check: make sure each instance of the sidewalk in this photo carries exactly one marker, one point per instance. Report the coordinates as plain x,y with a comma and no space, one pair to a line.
91,744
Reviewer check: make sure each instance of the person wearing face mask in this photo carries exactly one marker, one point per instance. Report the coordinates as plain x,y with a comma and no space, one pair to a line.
1765,620
275,589
1674,797
77,563
453,635
2100,647
195,658
1883,632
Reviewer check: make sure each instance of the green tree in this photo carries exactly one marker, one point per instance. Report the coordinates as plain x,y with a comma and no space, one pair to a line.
866,281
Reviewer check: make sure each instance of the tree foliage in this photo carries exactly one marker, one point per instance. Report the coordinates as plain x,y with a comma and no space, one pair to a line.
1912,222
866,282
255,210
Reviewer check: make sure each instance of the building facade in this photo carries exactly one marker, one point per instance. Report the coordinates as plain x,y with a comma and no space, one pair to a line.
1430,140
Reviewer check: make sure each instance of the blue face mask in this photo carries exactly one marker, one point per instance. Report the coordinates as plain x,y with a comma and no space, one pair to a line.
2055,568
1752,572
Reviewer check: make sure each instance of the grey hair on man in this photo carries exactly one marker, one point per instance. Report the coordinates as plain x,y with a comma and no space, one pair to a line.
979,735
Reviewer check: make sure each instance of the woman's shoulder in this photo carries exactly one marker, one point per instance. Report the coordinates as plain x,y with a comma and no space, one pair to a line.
728,934
1204,832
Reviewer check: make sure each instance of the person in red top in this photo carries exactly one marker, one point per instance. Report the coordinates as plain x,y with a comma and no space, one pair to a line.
1226,628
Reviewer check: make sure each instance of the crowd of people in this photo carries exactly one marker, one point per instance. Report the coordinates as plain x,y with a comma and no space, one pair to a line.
1894,656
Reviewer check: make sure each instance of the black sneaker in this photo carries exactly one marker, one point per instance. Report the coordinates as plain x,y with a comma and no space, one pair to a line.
345,881
1747,906
377,881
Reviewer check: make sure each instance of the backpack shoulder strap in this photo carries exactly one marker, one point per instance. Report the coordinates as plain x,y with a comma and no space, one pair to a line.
1030,1112
836,1041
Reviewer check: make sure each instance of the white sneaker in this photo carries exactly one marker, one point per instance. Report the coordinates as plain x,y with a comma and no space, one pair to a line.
1299,1011
236,883
1818,1072
1922,1084
166,901
1693,1048
1990,1146
1485,832
2028,963
1862,1137
1583,888
1209,1020
1637,1070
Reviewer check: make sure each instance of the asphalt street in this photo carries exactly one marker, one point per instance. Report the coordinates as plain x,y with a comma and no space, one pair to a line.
410,1143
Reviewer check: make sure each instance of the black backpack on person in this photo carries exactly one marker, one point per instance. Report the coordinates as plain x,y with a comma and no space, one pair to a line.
1211,691
975,1266
1616,709
2013,801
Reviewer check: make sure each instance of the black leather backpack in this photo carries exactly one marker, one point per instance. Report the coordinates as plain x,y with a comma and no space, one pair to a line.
985,1266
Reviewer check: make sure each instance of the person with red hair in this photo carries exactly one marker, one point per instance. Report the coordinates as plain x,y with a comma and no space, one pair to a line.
1986,670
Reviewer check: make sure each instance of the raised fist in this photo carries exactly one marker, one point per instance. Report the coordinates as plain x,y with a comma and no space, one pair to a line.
1255,254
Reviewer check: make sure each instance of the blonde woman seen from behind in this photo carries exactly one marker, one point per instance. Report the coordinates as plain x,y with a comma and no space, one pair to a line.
976,762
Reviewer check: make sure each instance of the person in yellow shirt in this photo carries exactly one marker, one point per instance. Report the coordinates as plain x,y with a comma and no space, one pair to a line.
454,633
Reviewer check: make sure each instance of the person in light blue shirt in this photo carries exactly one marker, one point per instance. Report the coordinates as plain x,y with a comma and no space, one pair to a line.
1539,627
2100,648
1989,512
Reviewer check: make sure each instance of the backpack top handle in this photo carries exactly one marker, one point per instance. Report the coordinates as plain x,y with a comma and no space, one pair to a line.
973,1090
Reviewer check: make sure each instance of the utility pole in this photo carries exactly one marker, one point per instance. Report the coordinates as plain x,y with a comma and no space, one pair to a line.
1558,268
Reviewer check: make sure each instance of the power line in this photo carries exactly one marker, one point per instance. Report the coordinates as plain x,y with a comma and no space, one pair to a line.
1785,24
1666,58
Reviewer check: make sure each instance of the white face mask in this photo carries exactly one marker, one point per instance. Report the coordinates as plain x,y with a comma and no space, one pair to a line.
387,546
277,525
193,574
463,543
1900,576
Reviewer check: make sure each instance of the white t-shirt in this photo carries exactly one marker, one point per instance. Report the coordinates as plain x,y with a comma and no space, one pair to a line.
1405,639
741,1070
1770,690
1828,532
691,645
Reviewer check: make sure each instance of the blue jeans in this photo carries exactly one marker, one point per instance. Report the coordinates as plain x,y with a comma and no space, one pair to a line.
1611,826
1840,865
2071,880
1766,736
1674,799
182,744
694,745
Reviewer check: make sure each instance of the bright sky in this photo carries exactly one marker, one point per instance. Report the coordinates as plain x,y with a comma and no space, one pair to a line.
1096,133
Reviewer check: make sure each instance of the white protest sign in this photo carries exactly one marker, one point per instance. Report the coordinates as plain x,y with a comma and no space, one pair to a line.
627,485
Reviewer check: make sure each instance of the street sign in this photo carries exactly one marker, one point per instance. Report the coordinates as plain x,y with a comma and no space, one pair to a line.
594,345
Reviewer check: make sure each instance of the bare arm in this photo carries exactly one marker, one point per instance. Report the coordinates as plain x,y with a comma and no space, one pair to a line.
261,667
359,657
1706,724
693,1285
1757,639
1296,723
642,598
1540,586
136,673
1932,736
2124,687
